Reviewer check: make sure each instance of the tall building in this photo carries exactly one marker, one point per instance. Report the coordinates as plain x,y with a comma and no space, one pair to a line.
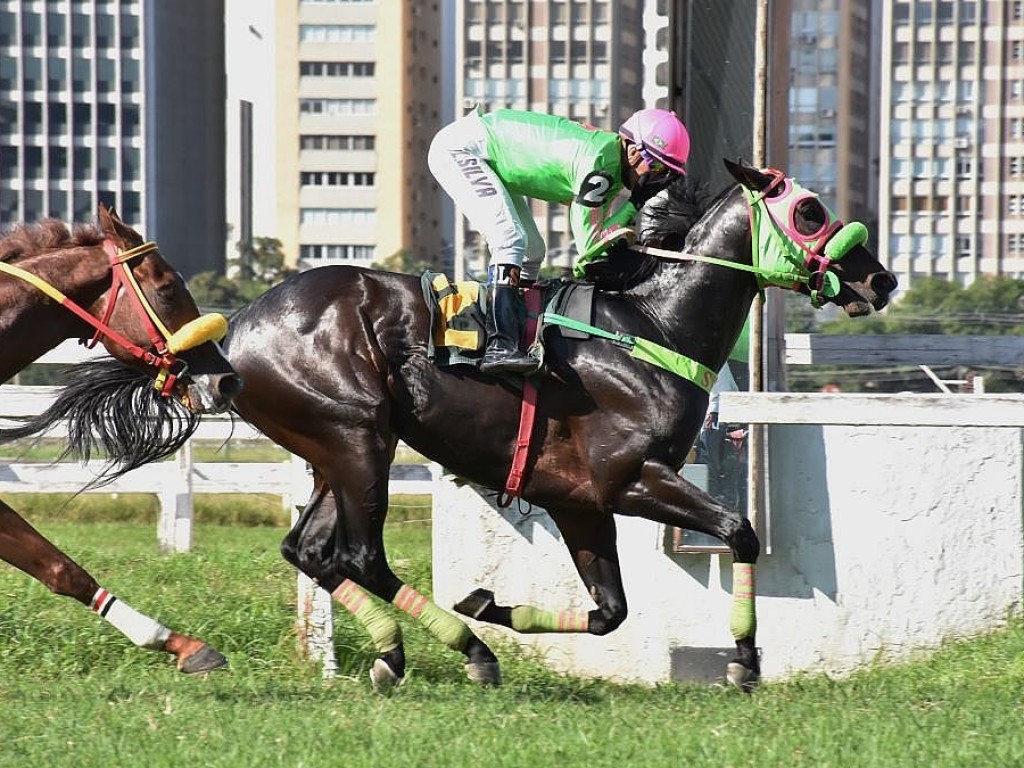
832,142
582,60
356,99
951,176
98,104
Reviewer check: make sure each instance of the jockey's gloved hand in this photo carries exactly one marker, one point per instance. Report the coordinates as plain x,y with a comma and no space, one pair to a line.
648,185
619,249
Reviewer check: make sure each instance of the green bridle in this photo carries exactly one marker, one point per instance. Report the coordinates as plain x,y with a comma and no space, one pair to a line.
780,254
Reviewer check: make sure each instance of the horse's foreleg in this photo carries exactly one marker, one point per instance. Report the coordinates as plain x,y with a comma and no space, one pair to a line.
665,497
25,548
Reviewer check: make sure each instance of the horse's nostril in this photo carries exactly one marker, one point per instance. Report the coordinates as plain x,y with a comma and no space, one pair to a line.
884,283
229,386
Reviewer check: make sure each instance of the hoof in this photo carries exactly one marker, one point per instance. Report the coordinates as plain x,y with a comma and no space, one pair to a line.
474,604
484,672
741,677
206,659
383,678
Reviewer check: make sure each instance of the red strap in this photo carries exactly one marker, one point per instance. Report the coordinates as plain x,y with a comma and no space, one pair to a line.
514,483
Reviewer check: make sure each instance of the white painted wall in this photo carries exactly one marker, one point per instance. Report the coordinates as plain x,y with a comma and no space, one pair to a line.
885,540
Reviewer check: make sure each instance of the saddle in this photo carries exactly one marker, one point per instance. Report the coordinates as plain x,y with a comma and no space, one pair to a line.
458,311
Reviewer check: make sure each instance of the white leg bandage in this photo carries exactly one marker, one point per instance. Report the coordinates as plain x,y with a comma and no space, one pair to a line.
140,629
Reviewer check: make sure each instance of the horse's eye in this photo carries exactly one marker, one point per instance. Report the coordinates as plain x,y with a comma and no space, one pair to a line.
809,217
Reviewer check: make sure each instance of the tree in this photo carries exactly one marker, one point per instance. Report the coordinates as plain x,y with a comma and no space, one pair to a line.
260,267
403,261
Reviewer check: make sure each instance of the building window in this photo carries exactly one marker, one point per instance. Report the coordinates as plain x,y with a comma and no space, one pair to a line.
337,106
336,179
365,217
337,33
336,252
336,68
330,142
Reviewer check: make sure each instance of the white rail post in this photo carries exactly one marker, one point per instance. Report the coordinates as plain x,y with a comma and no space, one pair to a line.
315,621
174,531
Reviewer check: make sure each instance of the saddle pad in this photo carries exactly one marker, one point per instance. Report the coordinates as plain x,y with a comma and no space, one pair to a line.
457,316
575,300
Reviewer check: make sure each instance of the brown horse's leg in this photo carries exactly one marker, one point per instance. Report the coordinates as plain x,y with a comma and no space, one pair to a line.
665,497
25,548
590,539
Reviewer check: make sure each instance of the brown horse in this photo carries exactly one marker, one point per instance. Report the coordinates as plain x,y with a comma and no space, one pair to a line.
108,285
336,369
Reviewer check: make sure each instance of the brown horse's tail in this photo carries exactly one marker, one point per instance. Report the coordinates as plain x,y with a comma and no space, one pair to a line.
112,411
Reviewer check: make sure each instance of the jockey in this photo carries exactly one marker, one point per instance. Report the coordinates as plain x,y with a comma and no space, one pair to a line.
491,163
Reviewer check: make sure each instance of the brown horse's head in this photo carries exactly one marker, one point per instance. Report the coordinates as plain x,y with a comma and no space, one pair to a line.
150,306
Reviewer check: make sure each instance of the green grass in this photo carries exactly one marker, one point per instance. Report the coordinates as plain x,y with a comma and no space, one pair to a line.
74,692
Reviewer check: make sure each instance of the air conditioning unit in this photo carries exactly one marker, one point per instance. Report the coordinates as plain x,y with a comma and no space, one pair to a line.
961,142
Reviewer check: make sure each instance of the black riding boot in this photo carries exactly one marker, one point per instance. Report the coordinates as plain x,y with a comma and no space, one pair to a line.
502,356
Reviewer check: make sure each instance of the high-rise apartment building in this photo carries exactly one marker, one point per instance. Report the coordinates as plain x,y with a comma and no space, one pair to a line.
951,175
832,141
580,59
356,99
98,103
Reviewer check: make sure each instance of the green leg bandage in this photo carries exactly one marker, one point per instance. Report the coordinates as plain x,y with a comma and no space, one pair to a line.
450,630
527,619
383,630
743,621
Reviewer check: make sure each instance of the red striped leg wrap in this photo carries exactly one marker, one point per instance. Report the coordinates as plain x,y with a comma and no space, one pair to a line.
410,601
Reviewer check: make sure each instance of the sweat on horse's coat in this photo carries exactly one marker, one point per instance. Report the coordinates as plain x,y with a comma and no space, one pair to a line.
336,369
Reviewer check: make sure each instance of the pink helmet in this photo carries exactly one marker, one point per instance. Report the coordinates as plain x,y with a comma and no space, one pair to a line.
660,136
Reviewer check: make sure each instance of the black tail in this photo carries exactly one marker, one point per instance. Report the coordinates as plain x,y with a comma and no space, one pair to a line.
113,410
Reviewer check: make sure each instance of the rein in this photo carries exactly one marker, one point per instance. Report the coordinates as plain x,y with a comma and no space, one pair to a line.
797,258
169,367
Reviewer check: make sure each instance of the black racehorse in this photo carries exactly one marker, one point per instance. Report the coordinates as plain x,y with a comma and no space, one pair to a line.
336,370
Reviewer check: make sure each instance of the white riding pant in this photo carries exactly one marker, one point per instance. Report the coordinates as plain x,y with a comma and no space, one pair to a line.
458,159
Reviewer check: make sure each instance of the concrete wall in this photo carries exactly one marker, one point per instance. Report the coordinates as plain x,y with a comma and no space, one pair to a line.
884,540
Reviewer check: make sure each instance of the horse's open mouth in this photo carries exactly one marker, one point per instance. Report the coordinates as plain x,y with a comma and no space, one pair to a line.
212,393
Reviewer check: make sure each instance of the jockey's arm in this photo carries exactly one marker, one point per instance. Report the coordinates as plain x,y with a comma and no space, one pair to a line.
596,228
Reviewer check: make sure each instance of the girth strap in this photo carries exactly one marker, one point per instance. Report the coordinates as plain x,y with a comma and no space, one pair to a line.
643,349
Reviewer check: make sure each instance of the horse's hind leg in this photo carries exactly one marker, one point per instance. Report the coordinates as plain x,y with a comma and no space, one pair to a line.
343,550
590,539
25,548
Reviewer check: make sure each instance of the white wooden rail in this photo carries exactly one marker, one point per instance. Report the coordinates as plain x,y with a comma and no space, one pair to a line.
173,481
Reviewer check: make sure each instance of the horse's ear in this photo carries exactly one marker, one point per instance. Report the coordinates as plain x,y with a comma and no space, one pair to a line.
748,175
114,228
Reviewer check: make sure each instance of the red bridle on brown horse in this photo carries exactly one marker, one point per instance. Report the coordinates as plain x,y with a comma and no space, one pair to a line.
166,344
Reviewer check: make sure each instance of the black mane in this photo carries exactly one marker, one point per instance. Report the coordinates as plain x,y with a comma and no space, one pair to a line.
664,222
668,218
